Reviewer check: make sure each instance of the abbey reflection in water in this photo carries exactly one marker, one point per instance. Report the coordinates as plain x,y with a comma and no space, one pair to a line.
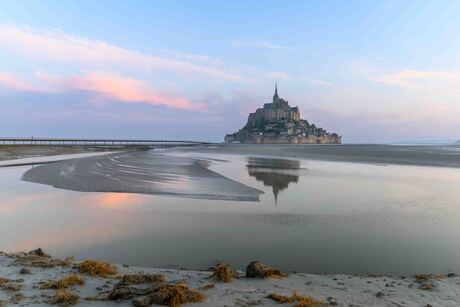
275,173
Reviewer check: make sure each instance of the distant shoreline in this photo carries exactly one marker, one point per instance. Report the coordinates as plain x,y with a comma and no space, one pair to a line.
413,155
23,155
439,155
13,152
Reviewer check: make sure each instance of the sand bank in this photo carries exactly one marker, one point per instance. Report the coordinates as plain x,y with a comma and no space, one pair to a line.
10,152
167,173
24,278
423,155
427,155
142,172
51,158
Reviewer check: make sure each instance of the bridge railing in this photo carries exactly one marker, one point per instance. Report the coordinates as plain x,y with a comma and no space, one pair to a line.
95,142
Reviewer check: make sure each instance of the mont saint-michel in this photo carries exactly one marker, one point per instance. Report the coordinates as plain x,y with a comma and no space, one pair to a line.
279,123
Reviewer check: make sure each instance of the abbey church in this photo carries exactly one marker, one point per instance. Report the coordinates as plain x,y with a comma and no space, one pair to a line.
279,123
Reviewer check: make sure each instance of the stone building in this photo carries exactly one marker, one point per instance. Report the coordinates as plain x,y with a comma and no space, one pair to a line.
279,123
279,109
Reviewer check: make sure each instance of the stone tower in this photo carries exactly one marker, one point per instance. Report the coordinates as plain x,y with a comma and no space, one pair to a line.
276,97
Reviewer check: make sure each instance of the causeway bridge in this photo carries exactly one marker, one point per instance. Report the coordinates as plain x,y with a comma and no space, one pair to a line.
96,142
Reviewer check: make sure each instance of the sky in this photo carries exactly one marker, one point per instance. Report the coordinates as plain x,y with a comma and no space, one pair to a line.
371,71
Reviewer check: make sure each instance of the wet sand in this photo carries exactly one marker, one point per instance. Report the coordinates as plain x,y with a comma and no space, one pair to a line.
10,152
145,172
168,173
423,155
426,155
171,174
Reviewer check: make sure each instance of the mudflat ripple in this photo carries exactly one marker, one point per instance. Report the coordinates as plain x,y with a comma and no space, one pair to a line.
142,172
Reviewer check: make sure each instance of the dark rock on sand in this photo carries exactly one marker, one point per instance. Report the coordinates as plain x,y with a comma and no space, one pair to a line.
24,271
11,286
142,301
123,291
332,301
257,269
157,293
38,252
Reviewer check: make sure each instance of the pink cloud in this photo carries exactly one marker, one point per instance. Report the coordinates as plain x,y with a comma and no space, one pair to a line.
14,82
114,86
422,79
57,45
107,86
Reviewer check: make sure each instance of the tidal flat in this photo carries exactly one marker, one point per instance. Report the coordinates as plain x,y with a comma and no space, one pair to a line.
313,209
11,152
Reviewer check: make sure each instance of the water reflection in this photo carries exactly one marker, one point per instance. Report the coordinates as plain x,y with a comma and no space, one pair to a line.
275,173
359,218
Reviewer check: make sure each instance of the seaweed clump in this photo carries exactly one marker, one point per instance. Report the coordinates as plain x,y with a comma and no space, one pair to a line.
300,300
426,280
97,268
64,282
224,272
160,293
38,258
420,278
64,298
170,295
4,280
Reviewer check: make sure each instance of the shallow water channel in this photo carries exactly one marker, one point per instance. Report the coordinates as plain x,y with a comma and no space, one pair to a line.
314,216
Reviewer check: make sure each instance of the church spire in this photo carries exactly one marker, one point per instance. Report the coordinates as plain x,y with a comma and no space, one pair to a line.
275,97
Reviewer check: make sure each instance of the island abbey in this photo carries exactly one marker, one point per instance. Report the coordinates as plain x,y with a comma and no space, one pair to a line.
279,123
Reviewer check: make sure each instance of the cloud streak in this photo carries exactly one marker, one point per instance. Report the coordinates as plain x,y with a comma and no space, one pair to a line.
57,45
110,86
105,86
421,79
198,58
15,82
258,44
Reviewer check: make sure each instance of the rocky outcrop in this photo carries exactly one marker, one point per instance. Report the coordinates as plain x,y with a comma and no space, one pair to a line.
257,269
279,123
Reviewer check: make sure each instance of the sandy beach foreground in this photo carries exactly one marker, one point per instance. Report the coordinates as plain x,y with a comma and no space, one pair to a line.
36,279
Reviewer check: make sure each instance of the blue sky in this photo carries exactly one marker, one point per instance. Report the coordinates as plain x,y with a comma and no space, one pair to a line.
372,71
